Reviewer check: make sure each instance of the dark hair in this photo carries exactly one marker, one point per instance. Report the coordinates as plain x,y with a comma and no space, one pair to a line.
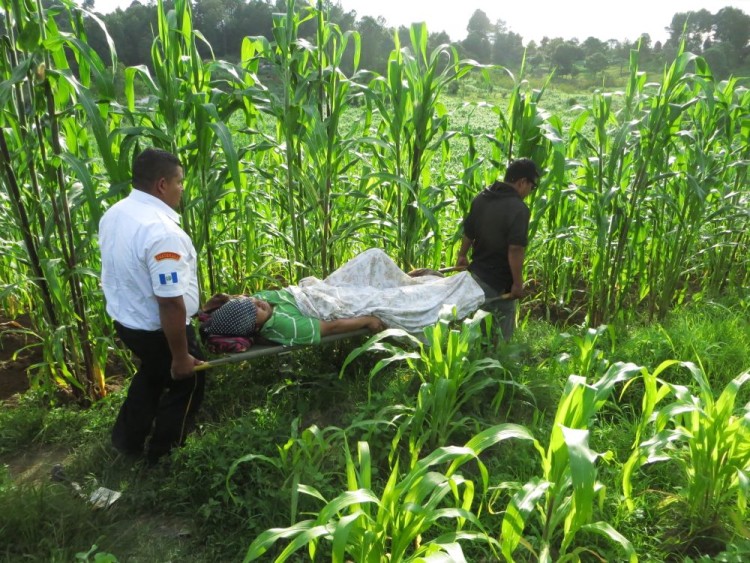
152,165
520,169
216,301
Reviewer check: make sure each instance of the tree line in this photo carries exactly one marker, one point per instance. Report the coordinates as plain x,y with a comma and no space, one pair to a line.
722,38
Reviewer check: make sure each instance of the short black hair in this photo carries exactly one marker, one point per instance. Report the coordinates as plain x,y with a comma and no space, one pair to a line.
151,165
520,169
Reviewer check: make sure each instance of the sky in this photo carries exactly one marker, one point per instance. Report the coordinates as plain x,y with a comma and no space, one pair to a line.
532,19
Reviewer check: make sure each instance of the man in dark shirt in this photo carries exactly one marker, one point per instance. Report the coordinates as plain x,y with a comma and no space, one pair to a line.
496,230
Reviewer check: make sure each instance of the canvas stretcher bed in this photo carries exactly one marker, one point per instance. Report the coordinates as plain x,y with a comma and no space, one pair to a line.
261,350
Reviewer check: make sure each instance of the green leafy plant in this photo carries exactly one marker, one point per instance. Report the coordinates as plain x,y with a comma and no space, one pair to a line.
452,369
587,359
561,501
300,458
96,556
371,527
707,438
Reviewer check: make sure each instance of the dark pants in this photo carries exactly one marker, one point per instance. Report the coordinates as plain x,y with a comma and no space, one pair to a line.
503,310
156,404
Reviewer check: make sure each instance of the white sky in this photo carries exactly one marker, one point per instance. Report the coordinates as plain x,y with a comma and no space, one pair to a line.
532,19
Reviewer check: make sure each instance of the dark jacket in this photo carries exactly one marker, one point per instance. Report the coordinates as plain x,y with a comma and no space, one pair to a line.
497,219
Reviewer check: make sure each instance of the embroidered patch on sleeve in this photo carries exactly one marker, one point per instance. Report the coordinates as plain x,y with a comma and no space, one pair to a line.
168,279
166,256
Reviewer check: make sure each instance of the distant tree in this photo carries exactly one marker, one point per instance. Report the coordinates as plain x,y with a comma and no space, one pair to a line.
132,32
732,28
436,39
404,35
645,42
214,19
376,43
547,46
507,46
477,43
695,26
717,57
255,19
565,56
480,24
596,63
593,45
336,14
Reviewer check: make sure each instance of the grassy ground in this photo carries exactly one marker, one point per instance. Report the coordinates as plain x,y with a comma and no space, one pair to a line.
285,412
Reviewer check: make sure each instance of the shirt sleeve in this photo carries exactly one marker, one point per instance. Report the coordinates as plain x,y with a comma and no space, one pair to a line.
287,325
518,234
468,224
168,265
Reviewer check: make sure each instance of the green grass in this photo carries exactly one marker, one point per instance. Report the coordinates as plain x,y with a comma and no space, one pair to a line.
189,510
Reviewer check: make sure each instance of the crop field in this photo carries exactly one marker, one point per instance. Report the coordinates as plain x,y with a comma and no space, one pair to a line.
614,427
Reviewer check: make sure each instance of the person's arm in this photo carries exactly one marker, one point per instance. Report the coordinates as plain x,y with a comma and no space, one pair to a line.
462,261
515,260
173,319
373,324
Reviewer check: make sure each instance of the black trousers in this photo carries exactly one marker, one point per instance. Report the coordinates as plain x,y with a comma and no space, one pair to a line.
156,404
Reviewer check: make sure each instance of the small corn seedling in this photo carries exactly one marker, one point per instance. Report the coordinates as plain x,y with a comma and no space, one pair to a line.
365,526
561,501
300,458
708,439
451,369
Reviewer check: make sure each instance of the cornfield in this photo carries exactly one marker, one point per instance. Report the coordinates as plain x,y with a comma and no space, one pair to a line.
293,167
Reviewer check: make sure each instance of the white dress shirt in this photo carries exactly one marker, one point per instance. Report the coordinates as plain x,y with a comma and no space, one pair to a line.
145,254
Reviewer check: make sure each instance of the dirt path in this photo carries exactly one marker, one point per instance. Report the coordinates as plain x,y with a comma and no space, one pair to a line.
35,464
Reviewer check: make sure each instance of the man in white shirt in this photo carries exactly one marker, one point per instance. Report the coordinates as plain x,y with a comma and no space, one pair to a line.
150,283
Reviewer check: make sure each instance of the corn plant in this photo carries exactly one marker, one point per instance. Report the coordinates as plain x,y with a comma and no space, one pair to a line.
587,359
521,125
47,116
707,438
316,207
452,369
187,113
300,458
643,193
560,503
366,526
415,124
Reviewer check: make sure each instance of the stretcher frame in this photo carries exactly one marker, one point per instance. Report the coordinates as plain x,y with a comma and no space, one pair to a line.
260,350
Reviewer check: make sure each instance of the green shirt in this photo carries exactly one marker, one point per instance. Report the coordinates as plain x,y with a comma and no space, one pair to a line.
287,325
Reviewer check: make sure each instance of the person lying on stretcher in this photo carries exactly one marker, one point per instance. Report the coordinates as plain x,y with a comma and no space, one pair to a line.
370,291
273,314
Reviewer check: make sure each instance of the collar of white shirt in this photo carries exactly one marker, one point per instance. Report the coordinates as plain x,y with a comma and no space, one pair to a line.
147,199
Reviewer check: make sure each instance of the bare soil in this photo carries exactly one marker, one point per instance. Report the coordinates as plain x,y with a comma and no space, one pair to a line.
35,464
15,358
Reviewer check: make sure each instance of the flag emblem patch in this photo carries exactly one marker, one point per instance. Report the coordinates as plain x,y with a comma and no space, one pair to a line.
168,279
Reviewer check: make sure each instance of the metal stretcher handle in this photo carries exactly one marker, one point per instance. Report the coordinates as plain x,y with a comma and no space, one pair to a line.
504,297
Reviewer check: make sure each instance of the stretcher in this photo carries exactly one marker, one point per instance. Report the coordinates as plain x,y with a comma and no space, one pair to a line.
260,350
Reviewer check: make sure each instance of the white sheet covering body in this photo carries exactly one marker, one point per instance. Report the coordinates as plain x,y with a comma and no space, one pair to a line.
372,284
